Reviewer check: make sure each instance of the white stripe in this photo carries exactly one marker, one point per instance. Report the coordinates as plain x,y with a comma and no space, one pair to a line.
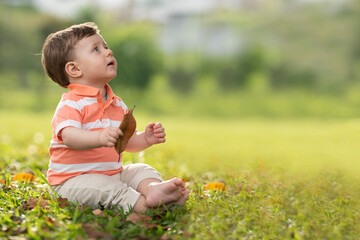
67,123
104,123
54,144
78,105
83,167
121,104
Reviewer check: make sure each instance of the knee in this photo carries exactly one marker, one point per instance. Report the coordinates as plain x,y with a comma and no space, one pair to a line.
140,167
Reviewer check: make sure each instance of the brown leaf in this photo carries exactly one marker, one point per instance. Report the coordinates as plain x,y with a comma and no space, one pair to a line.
166,237
142,220
186,234
63,202
51,221
242,187
92,231
98,212
33,202
81,208
43,203
137,218
127,126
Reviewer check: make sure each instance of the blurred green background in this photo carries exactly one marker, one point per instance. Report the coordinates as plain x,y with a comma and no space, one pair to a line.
214,59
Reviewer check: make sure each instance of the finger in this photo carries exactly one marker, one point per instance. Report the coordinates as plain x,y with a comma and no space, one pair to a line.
159,130
160,135
109,144
151,125
161,140
113,129
113,134
157,125
119,132
112,140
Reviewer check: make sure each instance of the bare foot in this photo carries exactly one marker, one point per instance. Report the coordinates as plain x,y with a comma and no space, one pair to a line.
181,201
163,193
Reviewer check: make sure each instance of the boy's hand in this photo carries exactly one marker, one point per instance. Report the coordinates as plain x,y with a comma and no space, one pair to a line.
154,133
109,136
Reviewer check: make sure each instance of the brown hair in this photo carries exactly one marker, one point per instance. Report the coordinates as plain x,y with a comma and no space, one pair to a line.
57,50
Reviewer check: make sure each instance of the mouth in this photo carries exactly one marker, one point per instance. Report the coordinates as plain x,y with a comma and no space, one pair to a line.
112,63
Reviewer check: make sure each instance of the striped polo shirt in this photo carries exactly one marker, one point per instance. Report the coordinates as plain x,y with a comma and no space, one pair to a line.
83,107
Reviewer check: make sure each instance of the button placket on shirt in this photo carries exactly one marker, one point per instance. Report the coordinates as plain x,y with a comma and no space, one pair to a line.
100,101
104,106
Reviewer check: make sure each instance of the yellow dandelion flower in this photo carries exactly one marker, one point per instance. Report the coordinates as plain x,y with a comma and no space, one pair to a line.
26,177
215,186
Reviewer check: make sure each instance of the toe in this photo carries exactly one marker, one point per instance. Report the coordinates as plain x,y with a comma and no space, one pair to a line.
178,181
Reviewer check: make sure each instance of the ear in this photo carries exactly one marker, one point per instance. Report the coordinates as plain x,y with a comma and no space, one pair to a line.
72,70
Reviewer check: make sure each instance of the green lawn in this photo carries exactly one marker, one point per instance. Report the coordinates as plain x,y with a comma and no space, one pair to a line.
285,179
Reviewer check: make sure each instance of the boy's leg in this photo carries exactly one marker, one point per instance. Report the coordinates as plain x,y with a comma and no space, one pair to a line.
133,174
168,192
148,182
96,190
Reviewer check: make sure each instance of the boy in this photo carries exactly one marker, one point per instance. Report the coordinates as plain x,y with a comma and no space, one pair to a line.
84,164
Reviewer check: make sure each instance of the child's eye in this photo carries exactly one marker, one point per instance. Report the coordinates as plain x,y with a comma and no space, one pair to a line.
96,49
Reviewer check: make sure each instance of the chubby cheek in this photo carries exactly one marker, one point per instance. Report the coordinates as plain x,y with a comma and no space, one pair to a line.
114,72
115,66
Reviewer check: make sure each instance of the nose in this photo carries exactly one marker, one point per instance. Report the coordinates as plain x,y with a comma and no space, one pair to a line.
109,52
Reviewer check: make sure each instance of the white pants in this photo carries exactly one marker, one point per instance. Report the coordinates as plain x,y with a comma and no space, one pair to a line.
98,190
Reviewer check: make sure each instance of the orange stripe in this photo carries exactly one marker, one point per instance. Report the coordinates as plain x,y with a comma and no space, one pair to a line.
72,156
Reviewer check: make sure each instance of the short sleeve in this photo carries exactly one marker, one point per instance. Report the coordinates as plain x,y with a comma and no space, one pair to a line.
68,114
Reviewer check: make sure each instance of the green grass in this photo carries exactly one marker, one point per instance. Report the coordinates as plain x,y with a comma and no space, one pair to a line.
286,179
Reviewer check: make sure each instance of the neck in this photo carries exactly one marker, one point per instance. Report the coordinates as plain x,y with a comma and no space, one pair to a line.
103,92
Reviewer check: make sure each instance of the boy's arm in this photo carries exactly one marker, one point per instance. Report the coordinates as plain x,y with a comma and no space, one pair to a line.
81,139
153,134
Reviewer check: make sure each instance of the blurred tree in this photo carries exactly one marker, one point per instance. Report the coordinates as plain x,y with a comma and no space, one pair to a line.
19,43
318,45
353,10
88,13
182,70
285,75
137,53
50,24
235,71
181,78
314,41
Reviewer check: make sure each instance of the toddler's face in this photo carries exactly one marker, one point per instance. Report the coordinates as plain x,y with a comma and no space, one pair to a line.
95,60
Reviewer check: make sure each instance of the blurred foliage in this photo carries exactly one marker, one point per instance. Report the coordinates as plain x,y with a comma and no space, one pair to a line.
182,70
293,45
286,46
138,56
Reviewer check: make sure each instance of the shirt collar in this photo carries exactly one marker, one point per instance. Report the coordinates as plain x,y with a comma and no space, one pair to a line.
84,90
109,91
